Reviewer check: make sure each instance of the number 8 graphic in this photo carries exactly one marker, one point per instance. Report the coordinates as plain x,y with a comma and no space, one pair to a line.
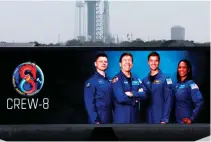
27,78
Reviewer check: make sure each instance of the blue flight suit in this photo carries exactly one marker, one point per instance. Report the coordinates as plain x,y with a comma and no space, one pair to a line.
188,100
125,107
160,101
98,99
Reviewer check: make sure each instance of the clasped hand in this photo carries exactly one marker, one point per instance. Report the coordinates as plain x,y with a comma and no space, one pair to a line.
130,94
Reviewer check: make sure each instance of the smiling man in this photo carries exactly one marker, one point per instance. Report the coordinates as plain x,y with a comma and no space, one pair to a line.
159,88
128,90
97,93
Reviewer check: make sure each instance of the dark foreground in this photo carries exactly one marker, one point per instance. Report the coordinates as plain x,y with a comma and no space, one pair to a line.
138,132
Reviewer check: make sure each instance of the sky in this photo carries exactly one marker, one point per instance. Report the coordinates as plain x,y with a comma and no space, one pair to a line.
52,22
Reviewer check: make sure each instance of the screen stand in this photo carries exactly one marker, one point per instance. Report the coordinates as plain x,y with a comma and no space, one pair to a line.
103,134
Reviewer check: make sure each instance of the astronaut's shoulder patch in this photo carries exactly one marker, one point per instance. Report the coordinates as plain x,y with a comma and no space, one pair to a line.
88,84
194,86
115,79
169,81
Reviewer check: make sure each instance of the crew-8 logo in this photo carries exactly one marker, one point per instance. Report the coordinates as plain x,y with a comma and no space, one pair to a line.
27,80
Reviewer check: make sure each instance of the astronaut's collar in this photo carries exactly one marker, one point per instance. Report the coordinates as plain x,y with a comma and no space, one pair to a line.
125,75
97,73
186,79
157,75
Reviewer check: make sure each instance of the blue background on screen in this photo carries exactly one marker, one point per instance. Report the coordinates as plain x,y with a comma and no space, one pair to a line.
168,65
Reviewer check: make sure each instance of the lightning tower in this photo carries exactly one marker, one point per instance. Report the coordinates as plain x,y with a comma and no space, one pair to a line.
79,25
106,27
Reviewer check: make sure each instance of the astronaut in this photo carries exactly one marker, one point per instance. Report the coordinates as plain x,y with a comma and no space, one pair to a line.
128,90
188,98
97,93
160,89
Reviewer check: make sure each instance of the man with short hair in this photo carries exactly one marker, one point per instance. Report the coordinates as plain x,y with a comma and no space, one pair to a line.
127,90
160,89
97,93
